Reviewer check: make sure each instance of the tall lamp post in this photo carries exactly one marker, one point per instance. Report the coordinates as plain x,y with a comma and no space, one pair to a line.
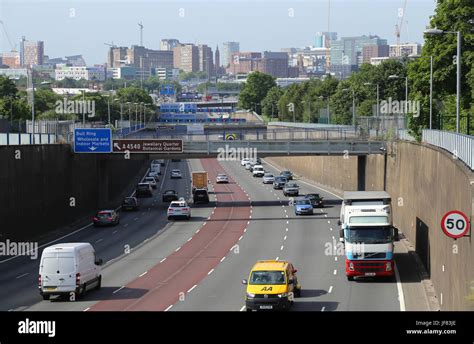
458,69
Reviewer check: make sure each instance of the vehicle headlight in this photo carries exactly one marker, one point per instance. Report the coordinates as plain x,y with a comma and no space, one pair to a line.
250,295
283,295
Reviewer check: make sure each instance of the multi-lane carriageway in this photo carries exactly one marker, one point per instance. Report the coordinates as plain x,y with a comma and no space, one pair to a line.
199,264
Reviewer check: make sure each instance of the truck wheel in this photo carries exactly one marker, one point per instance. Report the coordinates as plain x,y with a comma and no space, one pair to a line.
350,278
169,217
298,292
46,297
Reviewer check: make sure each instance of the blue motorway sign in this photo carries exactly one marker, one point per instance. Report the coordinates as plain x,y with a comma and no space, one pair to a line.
92,140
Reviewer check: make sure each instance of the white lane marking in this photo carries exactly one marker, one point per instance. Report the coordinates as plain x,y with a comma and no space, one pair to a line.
335,258
116,291
85,310
281,248
335,271
169,307
222,259
248,222
333,237
135,219
22,275
285,210
277,258
191,289
282,206
322,309
286,215
125,225
179,248
114,232
161,261
330,290
250,216
209,218
245,230
210,272
241,237
286,229
329,221
325,215
99,240
284,238
143,213
197,231
287,222
242,309
189,239
330,229
401,297
143,274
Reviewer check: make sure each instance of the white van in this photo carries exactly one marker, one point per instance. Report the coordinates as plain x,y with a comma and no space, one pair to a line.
67,268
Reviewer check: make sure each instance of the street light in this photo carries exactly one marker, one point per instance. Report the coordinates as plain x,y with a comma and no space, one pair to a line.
458,68
393,76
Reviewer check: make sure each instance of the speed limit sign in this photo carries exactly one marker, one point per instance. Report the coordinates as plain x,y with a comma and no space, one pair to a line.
455,224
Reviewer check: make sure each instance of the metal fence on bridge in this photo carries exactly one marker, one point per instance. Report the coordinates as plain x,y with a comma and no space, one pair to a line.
461,146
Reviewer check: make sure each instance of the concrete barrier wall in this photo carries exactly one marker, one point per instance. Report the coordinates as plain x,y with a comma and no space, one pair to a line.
425,183
40,184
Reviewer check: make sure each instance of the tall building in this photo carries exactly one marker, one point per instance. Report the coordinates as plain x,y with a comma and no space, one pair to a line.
31,53
217,61
117,57
275,64
168,44
405,50
11,59
371,51
244,62
323,39
229,48
186,57
156,59
348,51
96,73
206,60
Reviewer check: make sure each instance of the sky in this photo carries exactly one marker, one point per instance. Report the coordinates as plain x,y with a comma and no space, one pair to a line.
83,26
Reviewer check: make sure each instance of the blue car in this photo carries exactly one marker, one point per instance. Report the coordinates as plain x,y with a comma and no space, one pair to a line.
303,206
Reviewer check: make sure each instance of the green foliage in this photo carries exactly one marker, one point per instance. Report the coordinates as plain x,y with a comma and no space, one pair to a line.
270,102
255,89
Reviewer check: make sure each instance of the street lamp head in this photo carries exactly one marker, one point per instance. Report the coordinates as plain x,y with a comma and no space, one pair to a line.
393,76
433,32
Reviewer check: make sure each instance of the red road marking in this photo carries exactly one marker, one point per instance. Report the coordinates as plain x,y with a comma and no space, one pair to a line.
161,286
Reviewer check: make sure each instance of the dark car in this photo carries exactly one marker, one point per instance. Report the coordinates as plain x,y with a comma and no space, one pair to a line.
287,174
170,196
279,182
316,200
200,196
175,160
144,190
130,203
106,218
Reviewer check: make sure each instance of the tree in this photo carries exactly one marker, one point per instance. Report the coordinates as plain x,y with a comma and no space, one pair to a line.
134,95
450,15
255,89
270,102
45,99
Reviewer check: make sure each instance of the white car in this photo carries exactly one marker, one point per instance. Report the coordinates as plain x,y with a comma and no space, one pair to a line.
268,178
179,209
244,161
151,181
176,174
258,171
69,268
155,168
222,178
247,166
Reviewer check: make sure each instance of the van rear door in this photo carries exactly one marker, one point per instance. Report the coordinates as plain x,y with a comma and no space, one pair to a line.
58,272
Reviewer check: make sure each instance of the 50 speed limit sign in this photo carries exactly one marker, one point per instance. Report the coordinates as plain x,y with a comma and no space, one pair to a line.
455,224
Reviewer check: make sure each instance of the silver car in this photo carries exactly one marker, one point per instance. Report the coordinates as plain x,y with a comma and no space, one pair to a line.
176,174
222,178
268,178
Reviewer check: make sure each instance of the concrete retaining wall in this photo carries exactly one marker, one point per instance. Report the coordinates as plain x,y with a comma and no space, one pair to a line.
425,183
37,183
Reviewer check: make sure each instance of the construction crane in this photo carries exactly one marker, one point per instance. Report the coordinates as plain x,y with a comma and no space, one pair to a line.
111,44
12,46
399,25
141,33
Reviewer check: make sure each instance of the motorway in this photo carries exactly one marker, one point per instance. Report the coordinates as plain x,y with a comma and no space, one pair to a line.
199,264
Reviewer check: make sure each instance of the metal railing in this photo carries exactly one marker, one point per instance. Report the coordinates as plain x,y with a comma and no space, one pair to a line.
461,146
14,139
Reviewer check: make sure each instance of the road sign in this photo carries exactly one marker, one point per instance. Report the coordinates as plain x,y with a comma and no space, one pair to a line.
148,146
92,140
455,224
230,137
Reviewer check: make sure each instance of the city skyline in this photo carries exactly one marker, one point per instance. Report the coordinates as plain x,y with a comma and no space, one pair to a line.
289,21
